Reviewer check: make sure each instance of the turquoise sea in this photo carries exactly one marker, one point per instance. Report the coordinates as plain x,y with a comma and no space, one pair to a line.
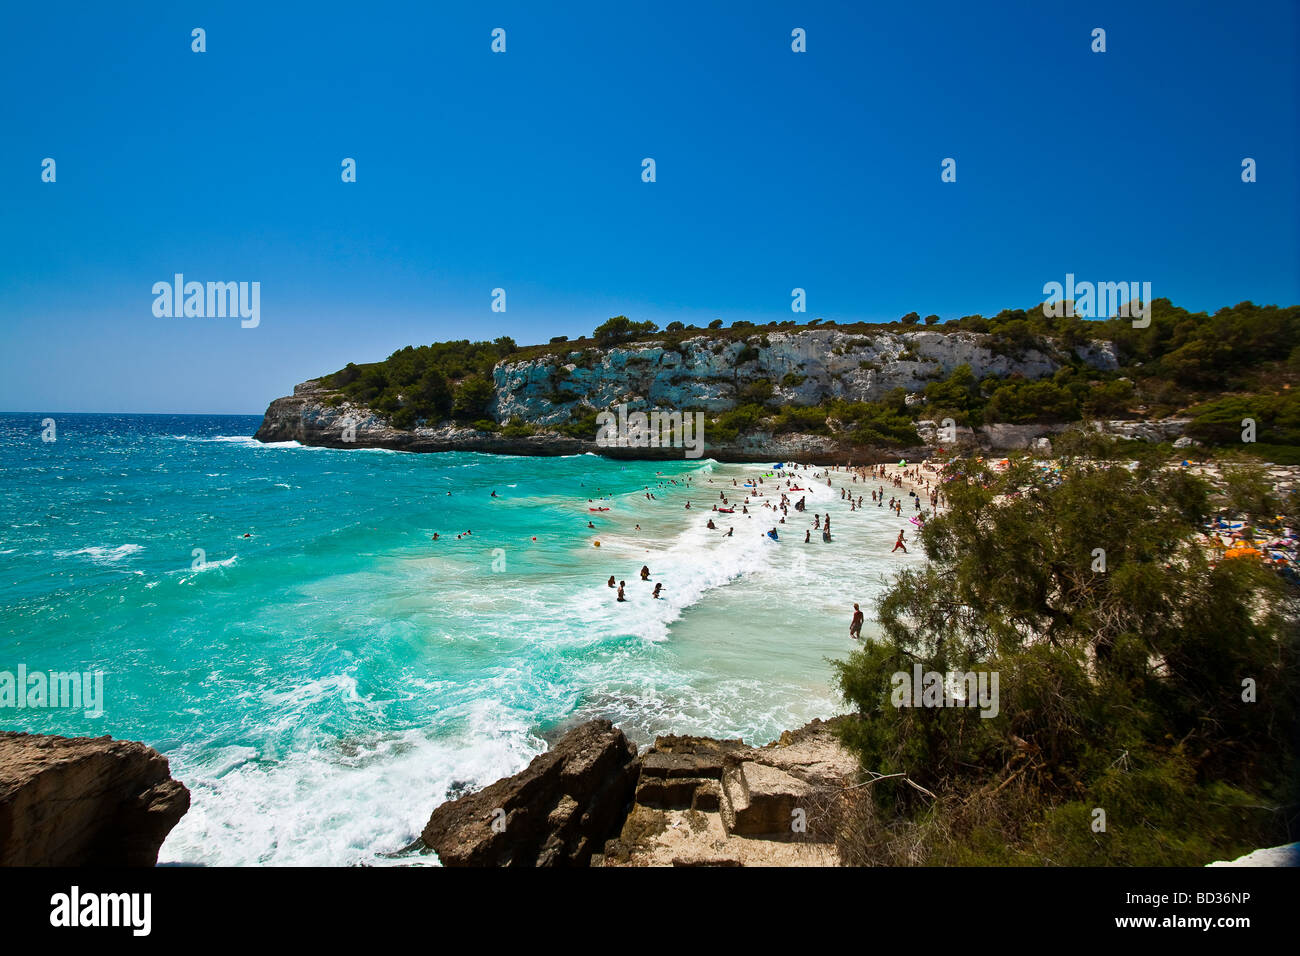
278,621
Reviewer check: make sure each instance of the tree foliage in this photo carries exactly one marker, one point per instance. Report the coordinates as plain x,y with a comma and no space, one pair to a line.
1120,683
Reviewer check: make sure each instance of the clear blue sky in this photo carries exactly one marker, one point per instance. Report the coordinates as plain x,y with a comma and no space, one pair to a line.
523,171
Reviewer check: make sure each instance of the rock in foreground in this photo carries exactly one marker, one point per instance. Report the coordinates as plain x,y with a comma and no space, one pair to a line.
706,802
84,801
555,812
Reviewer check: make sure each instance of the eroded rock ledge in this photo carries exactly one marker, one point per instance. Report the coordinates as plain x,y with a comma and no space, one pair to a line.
687,801
84,801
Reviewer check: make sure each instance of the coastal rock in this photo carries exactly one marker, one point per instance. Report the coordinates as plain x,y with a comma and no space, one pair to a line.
555,812
707,802
706,373
84,801
758,800
805,366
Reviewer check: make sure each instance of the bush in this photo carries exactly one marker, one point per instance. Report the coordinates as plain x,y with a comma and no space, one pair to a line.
756,393
620,329
1118,689
472,398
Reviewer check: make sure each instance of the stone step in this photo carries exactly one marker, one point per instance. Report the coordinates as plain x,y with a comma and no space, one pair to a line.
676,793
758,800
683,765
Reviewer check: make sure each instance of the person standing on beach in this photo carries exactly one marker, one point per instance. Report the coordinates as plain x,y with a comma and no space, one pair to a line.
855,626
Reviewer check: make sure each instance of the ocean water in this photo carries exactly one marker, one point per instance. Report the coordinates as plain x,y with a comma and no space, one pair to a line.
278,621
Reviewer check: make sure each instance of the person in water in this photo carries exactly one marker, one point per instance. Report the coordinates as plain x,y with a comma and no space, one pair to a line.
658,587
712,526
610,582
494,493
899,544
807,536
645,573
435,536
855,626
620,590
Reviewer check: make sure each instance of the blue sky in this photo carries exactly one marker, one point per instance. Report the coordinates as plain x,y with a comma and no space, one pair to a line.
522,170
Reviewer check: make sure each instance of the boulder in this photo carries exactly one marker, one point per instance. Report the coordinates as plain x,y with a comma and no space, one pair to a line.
761,800
555,812
84,801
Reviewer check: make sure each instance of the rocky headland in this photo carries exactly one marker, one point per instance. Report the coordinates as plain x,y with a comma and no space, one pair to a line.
551,388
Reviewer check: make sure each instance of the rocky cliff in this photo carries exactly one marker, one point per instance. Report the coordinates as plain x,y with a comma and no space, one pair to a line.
705,373
81,801
805,367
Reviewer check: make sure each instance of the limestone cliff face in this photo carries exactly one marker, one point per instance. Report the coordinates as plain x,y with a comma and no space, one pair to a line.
705,373
708,373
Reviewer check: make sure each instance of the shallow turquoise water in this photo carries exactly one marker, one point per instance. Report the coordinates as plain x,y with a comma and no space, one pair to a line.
322,683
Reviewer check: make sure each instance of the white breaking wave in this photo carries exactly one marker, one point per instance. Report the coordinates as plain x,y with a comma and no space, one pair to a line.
339,804
104,554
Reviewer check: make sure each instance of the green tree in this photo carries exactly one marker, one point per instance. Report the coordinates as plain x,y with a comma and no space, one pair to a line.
620,329
472,398
1120,648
